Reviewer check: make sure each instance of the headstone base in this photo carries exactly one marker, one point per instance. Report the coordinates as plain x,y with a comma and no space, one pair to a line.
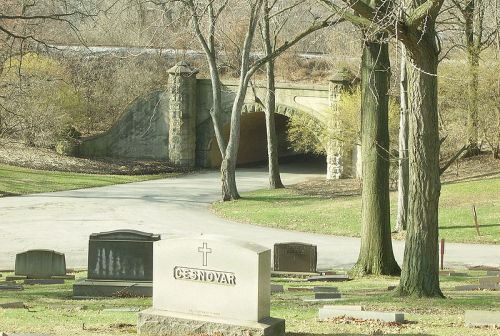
163,323
104,288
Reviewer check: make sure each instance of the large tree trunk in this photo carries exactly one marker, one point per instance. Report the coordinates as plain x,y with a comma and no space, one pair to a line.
272,139
376,255
420,274
228,166
216,111
403,168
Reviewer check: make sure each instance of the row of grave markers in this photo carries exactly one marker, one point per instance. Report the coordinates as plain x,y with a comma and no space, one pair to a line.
193,277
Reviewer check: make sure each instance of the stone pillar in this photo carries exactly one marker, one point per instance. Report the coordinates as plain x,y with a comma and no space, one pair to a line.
182,115
339,83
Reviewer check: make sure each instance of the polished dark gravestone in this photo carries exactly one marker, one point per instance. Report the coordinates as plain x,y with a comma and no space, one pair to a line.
295,257
40,264
120,263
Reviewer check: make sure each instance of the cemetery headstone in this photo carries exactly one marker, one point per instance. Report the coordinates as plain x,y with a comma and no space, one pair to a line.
120,263
43,281
300,289
277,288
332,311
493,280
475,318
330,278
40,264
11,287
210,285
295,257
12,305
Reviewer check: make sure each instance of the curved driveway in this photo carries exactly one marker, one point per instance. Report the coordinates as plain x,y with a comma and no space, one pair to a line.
63,221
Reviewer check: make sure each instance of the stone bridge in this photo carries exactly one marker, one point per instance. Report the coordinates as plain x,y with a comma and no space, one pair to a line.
176,125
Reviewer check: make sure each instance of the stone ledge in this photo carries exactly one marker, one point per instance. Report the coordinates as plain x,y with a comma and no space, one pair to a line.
101,288
163,323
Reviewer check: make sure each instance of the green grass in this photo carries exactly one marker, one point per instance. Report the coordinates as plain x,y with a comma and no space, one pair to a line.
286,209
21,181
51,310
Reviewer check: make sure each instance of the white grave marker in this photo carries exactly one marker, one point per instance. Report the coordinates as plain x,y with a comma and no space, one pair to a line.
213,279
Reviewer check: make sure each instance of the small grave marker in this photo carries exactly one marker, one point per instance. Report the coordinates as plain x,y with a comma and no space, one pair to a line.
12,305
295,257
277,288
323,289
494,280
300,289
331,312
10,287
482,318
40,264
330,278
43,281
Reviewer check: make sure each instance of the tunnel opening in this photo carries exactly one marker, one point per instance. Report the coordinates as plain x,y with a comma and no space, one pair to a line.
252,150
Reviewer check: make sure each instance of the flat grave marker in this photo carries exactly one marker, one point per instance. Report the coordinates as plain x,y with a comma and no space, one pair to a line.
328,312
330,278
475,318
12,305
277,288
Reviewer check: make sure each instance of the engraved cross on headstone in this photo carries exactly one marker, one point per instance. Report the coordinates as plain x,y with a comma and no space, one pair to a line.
205,250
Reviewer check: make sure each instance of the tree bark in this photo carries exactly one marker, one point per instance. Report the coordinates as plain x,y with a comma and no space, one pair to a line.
472,116
402,216
420,271
376,254
473,45
228,166
272,140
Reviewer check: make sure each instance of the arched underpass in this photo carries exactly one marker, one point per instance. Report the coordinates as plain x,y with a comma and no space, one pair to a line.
253,144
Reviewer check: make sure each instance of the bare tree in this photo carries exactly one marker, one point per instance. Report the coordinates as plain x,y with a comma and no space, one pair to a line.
477,24
201,11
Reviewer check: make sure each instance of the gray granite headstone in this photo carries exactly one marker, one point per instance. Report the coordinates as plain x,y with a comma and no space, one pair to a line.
121,255
40,264
295,257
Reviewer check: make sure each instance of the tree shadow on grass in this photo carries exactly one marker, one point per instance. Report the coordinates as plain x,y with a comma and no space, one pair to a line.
467,227
348,334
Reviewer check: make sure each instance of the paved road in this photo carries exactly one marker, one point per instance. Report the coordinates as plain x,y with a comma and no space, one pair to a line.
63,221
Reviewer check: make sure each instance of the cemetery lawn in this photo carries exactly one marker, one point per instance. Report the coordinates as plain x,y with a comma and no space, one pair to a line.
50,309
20,181
340,214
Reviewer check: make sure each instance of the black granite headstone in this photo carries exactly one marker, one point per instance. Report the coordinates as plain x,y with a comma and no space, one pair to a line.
295,257
120,263
121,255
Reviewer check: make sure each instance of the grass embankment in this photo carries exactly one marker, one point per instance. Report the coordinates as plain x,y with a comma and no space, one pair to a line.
290,210
21,181
51,310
